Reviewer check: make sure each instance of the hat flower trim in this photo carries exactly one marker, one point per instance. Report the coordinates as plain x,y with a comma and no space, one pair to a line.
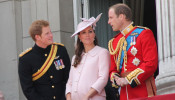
85,23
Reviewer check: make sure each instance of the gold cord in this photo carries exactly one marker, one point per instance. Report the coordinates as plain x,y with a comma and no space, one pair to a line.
119,48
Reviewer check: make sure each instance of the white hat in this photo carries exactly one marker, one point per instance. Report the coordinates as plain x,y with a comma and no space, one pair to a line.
85,23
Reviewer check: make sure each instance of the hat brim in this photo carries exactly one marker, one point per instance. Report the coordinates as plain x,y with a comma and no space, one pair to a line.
79,30
90,23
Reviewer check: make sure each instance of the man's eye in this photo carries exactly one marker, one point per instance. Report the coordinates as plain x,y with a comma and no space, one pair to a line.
90,31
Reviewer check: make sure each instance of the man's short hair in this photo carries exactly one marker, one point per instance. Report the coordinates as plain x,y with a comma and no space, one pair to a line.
122,9
36,28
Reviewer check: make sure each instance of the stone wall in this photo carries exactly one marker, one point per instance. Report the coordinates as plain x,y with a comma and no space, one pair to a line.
15,19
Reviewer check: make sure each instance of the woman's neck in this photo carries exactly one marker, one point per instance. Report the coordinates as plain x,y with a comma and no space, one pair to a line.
88,47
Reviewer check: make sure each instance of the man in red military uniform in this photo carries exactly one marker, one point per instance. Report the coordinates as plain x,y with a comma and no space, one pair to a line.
134,55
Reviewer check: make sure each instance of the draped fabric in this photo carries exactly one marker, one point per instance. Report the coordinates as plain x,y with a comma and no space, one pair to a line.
103,30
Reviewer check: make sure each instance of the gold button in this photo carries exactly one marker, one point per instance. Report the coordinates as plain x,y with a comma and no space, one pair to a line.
54,97
51,76
117,95
53,86
45,54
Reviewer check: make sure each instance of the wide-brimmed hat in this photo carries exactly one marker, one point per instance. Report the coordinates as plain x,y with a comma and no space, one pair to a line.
86,23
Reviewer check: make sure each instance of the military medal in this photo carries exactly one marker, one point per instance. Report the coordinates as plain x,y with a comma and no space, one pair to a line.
62,63
131,41
59,64
134,40
136,61
133,51
56,57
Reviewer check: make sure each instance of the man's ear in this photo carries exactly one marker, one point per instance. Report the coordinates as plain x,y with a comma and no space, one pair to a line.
122,16
37,37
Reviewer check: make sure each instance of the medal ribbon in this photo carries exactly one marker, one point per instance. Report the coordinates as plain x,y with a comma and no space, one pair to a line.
46,64
128,39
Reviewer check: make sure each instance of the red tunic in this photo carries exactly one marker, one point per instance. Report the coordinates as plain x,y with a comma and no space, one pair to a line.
141,82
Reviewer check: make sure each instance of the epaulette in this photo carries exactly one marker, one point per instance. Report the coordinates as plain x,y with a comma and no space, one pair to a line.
58,44
142,27
24,52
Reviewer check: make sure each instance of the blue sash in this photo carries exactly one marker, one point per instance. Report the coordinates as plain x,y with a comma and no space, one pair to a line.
135,34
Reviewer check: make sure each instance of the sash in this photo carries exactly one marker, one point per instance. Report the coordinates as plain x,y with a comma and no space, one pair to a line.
46,64
129,39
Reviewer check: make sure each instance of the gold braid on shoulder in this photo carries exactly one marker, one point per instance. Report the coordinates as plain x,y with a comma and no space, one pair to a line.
120,46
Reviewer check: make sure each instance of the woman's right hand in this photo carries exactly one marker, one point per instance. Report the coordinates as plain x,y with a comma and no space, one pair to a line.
68,96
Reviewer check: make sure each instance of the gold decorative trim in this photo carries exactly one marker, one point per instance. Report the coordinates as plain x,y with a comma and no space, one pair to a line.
127,29
24,52
112,79
58,43
120,46
133,75
133,34
113,85
46,64
137,81
142,27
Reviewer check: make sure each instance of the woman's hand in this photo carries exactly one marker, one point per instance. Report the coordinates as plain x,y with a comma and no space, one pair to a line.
90,94
86,98
68,96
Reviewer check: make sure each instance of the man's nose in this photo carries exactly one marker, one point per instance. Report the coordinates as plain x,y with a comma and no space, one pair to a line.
108,21
51,34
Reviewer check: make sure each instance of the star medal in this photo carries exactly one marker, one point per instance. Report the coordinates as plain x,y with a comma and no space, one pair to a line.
133,51
136,61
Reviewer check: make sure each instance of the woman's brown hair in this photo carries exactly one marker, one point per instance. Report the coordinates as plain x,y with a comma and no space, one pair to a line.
79,50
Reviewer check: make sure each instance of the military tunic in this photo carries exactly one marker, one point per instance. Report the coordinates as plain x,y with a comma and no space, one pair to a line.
141,63
51,86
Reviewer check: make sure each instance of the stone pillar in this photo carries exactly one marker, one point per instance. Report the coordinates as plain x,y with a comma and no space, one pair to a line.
60,15
166,46
67,25
15,19
8,51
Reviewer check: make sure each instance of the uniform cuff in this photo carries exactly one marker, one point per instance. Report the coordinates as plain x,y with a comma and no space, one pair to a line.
114,84
132,77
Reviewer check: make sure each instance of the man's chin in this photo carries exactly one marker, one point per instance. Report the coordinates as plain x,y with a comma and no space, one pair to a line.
115,30
51,42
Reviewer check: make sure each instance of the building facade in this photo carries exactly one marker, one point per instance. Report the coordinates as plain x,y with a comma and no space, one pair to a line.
64,15
15,19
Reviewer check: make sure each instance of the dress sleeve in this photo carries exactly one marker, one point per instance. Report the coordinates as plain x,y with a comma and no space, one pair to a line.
69,82
103,65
